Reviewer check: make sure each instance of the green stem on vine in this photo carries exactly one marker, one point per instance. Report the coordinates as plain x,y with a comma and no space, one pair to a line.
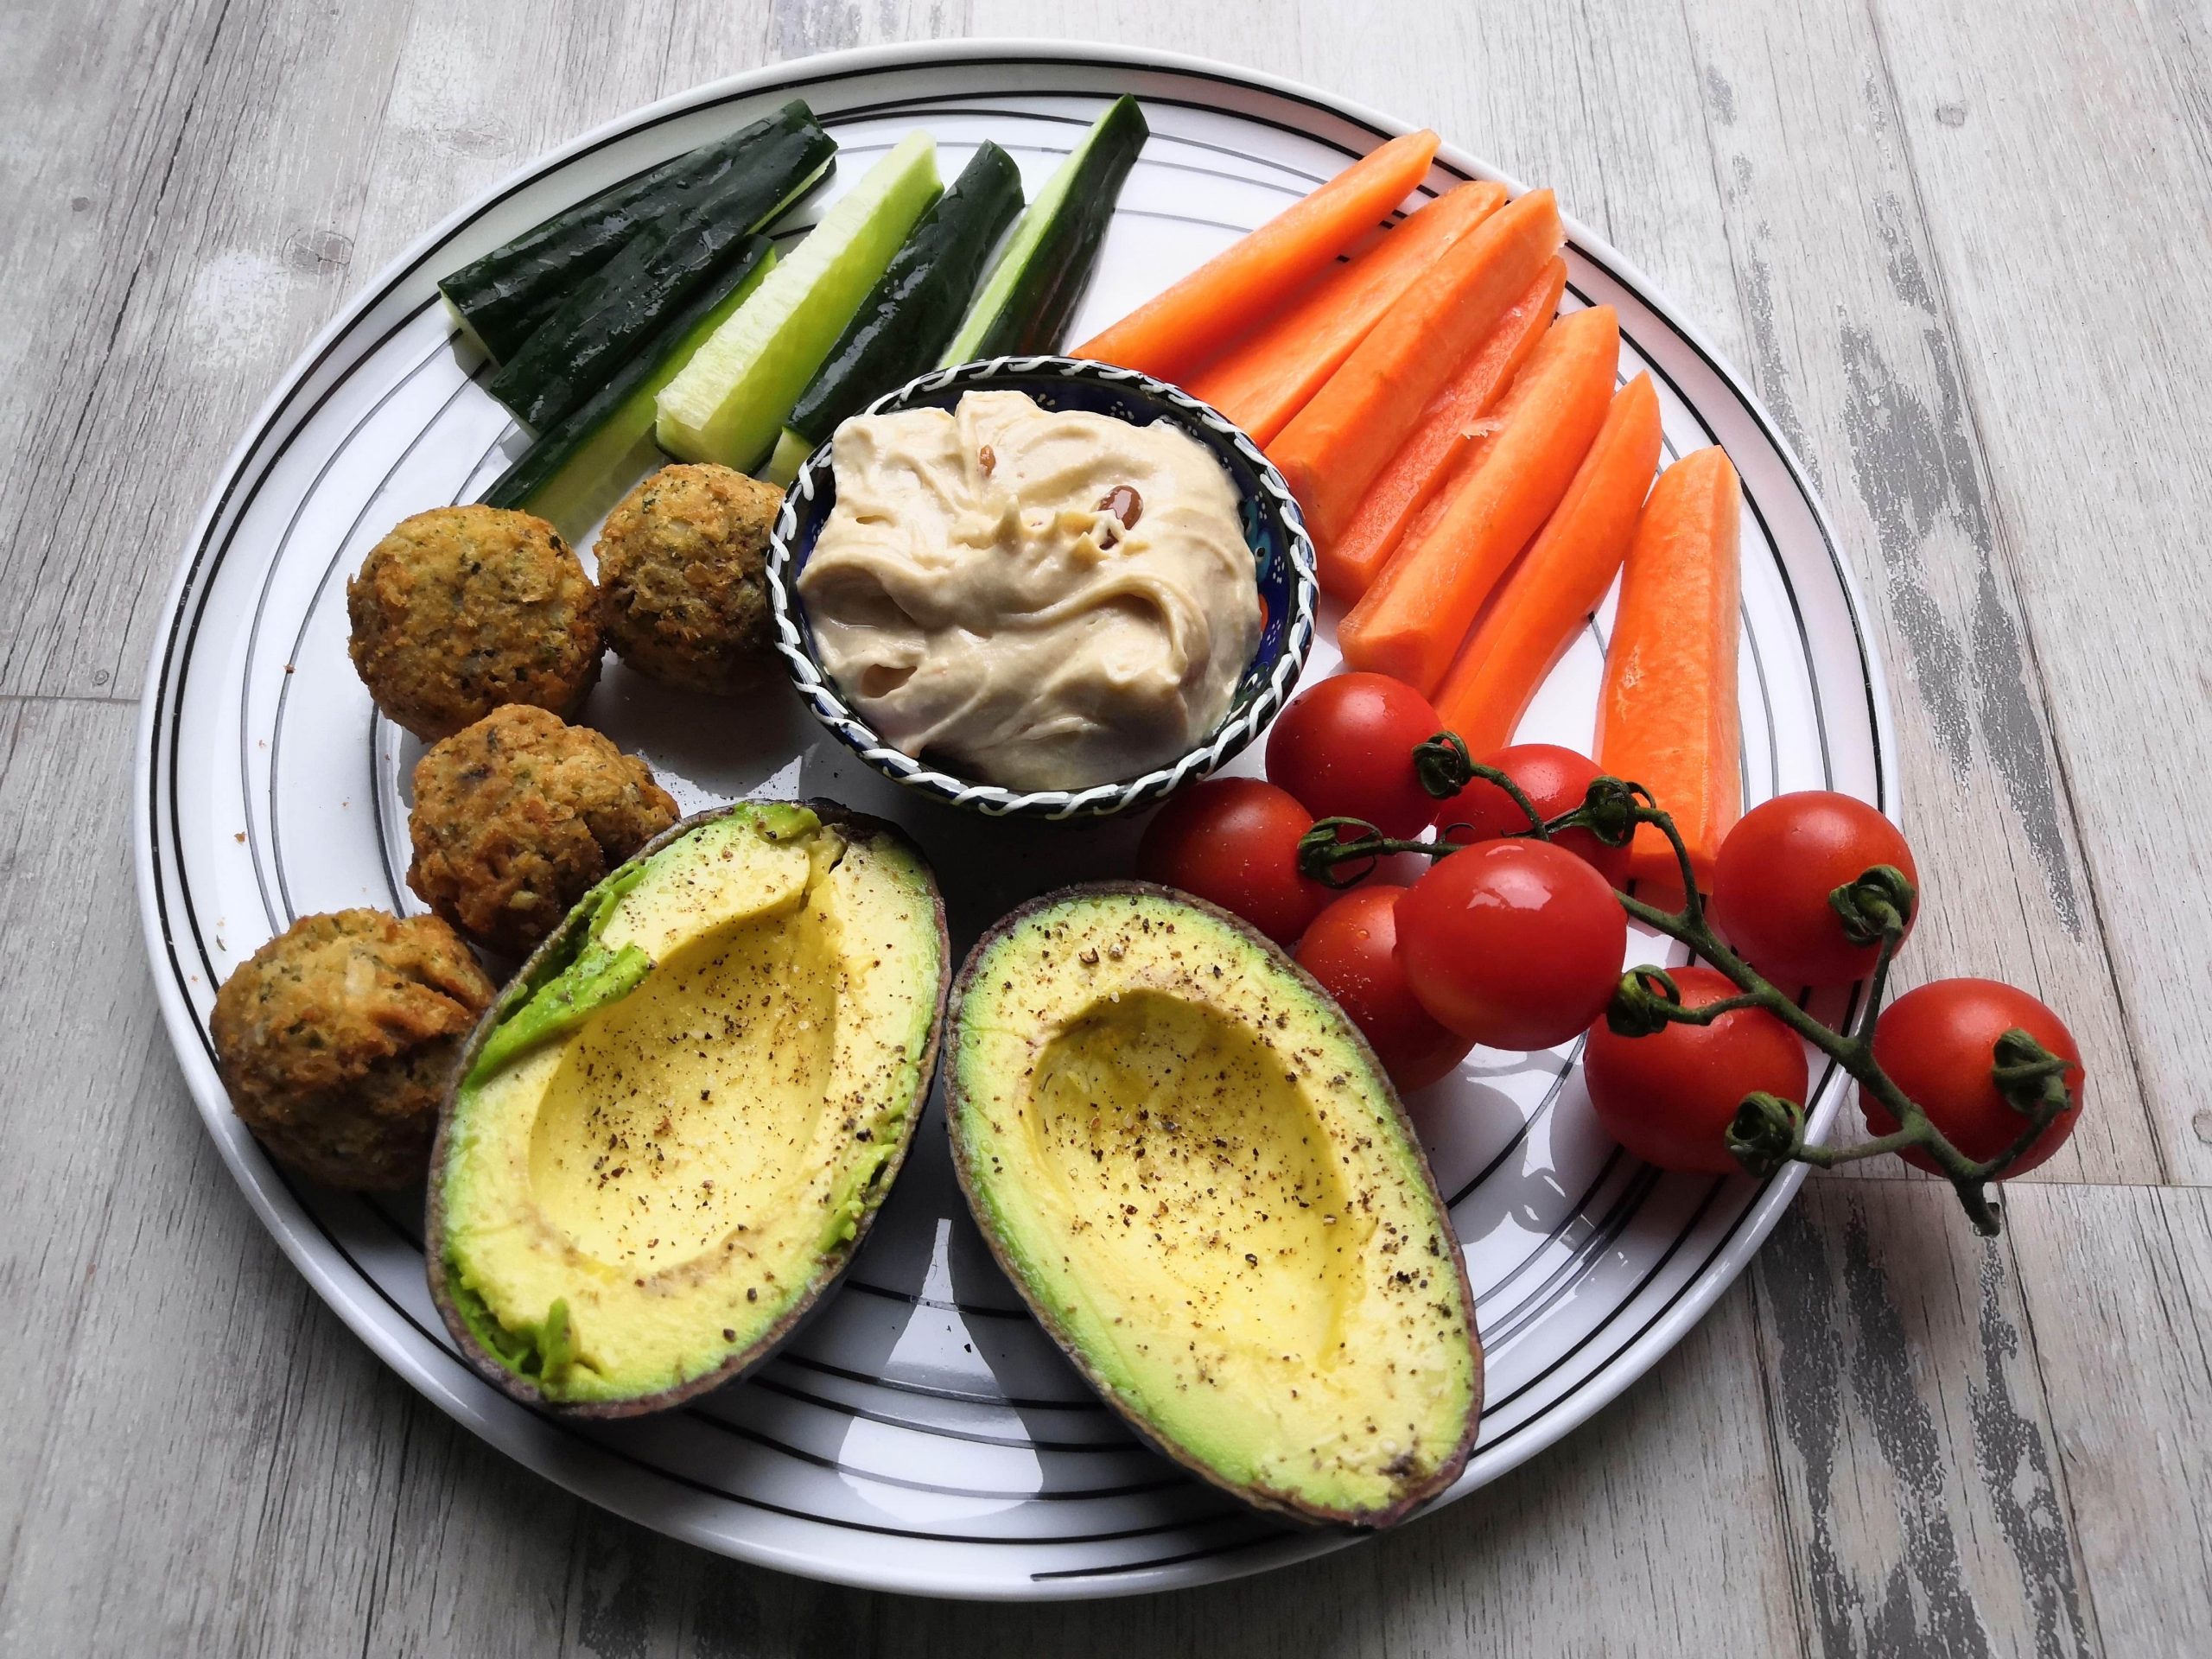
1876,907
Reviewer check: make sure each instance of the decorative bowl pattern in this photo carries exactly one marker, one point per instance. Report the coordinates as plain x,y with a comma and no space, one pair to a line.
1282,558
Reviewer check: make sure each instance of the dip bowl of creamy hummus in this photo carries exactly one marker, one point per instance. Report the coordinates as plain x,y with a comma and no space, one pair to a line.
1041,586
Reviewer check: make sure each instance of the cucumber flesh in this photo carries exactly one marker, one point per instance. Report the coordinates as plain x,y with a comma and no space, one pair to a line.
500,298
913,310
793,448
615,311
579,468
1039,280
728,402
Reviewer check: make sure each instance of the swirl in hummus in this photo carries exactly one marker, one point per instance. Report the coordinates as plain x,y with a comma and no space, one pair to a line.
1045,599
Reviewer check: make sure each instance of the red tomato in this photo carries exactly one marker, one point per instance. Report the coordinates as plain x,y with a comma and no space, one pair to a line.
1345,749
1670,1097
1513,944
1234,842
1554,779
1938,1043
1351,948
1771,883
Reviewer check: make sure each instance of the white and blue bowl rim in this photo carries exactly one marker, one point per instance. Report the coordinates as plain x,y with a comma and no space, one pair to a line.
1283,556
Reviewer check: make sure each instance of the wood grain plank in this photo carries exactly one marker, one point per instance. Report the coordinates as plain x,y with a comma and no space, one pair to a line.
327,1506
1627,1504
230,242
65,757
476,90
201,1458
300,1498
2077,284
2115,1280
1713,146
1928,1511
1851,346
97,117
798,28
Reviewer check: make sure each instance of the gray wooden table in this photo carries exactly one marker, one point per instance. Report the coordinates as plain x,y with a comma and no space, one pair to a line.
1963,251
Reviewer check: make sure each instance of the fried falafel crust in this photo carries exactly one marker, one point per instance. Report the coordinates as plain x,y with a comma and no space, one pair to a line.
682,563
462,610
520,815
338,1038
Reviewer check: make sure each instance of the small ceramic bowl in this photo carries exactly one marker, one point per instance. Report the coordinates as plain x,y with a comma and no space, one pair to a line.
1282,571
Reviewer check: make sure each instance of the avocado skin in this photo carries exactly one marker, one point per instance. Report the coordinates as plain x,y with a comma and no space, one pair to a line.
830,1268
1270,1501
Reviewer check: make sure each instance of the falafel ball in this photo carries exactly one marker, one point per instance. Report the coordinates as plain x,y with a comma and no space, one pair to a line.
338,1038
518,816
683,588
462,610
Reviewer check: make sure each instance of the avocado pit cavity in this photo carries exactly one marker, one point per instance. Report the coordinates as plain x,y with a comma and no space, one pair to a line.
674,1122
1201,1182
684,1117
1186,1151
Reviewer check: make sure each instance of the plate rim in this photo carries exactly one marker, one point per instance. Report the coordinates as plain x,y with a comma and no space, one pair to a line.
269,1192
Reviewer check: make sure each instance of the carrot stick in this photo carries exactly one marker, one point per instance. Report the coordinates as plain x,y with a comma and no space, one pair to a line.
1262,382
1176,331
1413,619
1334,447
1667,717
1439,445
1553,588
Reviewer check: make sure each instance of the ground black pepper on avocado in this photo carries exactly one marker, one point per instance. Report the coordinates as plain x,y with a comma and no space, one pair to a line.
1205,1189
676,1126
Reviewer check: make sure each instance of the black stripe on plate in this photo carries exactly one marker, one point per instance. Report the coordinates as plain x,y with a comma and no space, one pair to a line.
168,687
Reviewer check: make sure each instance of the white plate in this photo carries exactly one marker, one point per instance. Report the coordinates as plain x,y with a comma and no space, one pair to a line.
921,1435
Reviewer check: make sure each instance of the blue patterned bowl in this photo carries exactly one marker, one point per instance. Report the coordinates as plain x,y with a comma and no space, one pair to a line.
1283,569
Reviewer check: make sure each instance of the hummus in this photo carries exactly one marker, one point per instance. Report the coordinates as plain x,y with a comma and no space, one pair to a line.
1042,599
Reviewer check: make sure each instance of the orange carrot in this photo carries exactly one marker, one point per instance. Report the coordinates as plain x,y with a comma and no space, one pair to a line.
1447,429
1667,718
1339,442
1553,586
1175,332
1262,382
1413,619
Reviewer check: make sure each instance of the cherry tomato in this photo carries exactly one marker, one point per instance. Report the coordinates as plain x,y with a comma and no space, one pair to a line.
1513,944
1670,1097
1938,1043
1234,842
1345,749
1554,779
1351,948
1771,883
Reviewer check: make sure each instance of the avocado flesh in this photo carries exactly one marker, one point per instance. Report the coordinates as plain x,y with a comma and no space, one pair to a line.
1198,1177
637,1194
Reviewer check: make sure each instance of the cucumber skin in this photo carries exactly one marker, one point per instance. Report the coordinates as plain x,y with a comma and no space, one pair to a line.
1057,270
915,308
624,304
502,296
708,413
540,476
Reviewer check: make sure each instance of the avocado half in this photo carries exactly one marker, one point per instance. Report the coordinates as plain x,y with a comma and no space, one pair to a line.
669,1134
1196,1173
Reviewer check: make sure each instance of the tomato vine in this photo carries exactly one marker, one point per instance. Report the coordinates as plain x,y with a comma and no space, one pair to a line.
1876,907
